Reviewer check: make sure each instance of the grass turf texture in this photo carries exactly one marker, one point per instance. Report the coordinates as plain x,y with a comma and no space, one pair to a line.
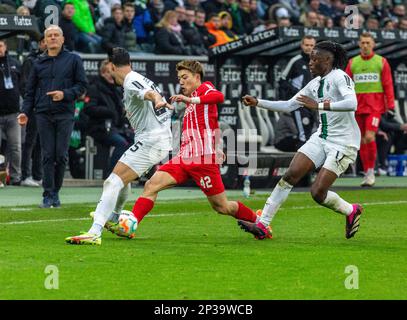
184,250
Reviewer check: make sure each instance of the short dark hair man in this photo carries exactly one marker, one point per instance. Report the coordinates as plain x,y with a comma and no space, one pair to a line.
56,81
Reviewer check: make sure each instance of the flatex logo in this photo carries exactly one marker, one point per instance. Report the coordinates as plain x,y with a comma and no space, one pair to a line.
331,33
22,21
291,32
388,35
311,32
253,74
3,21
230,75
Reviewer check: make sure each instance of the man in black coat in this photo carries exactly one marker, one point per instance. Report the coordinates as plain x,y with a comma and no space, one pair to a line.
294,77
68,28
113,33
10,70
31,167
56,81
106,114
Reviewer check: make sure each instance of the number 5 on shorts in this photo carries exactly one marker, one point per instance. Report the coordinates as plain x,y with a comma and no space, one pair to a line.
135,147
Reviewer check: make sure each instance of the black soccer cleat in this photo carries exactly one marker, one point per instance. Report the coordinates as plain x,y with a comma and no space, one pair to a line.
257,229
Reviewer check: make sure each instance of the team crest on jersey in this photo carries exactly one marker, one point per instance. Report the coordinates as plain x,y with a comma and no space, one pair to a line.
189,109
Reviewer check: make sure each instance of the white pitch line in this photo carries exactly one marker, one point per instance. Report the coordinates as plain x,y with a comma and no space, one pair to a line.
90,219
195,213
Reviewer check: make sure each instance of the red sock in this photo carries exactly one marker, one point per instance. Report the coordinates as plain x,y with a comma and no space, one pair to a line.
364,156
142,207
245,213
372,153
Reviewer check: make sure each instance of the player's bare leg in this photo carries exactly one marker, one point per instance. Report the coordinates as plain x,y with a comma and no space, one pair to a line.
333,201
299,167
161,180
368,157
236,209
121,176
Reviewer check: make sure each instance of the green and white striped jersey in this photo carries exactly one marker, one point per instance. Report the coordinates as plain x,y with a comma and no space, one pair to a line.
339,127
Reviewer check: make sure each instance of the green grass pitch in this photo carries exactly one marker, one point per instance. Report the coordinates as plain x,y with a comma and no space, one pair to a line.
184,250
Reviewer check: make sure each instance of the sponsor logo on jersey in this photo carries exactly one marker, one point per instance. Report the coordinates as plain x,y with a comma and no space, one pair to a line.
367,77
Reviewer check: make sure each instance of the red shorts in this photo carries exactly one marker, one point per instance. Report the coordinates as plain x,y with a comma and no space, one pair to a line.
368,122
206,176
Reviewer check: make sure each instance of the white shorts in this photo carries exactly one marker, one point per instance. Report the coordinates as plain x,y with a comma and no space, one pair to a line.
333,157
143,155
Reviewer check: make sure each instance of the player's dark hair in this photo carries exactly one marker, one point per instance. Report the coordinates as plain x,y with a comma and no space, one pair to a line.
119,57
340,58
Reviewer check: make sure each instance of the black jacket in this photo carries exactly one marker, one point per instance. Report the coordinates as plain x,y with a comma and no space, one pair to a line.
9,98
167,42
64,72
105,104
113,35
70,32
207,37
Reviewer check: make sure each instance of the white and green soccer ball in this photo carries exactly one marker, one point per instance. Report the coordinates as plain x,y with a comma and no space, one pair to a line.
127,224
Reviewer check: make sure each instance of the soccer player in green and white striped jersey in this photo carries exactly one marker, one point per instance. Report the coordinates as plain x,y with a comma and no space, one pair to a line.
332,148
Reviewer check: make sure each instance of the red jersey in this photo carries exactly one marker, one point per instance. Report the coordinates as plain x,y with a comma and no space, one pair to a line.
201,122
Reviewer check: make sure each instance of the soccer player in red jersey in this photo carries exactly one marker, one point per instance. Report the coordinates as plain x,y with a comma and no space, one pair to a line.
198,157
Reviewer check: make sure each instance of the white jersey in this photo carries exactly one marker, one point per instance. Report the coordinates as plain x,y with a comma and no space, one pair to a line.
149,124
336,127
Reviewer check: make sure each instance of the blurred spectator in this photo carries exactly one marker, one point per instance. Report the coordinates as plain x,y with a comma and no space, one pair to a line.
23,41
68,27
37,8
105,11
227,24
53,104
372,23
87,39
23,11
268,24
113,33
398,12
379,9
283,22
402,25
31,168
193,4
329,22
172,4
277,11
310,19
214,27
76,150
143,24
391,132
156,9
293,8
10,71
168,37
7,6
192,34
388,24
234,10
106,114
214,6
130,39
208,38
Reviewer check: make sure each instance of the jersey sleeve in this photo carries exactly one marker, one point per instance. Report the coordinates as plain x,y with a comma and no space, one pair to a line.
138,88
345,85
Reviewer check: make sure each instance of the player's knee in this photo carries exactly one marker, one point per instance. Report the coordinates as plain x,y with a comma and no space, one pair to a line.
151,186
370,138
318,194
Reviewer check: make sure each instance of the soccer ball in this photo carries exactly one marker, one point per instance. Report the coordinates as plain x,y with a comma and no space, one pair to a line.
127,224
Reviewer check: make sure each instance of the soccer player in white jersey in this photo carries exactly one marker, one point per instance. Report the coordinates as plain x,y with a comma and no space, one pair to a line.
147,112
332,148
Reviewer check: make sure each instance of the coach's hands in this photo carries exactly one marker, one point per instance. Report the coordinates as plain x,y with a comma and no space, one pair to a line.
307,102
56,95
22,119
250,101
180,98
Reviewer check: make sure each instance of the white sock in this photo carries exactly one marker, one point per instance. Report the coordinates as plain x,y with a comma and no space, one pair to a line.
334,202
122,198
111,188
276,199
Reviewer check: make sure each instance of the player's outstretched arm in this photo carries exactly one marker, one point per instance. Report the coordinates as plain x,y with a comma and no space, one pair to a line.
349,103
284,106
213,97
157,99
